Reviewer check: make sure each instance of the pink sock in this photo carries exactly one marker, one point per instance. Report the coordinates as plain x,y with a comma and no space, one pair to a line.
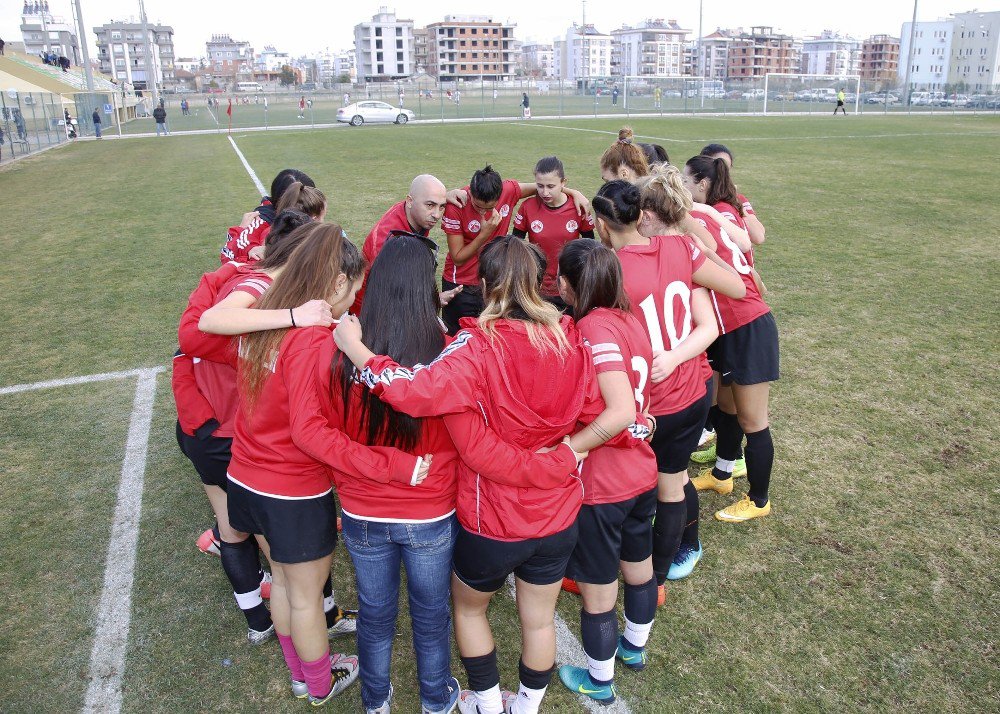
318,677
291,657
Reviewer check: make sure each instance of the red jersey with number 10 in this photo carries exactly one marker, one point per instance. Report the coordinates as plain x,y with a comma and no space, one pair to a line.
550,229
659,284
729,312
467,222
619,343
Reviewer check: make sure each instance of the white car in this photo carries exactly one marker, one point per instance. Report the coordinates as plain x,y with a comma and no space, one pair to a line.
372,111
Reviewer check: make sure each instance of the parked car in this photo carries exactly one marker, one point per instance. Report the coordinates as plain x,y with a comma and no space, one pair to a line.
371,111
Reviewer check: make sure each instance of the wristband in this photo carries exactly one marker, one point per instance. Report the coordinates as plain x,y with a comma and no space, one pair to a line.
292,315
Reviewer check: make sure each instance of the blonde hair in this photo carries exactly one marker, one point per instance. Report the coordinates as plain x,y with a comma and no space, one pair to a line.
512,270
664,194
625,153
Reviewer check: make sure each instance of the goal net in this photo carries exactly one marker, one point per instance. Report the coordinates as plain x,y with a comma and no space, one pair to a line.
785,93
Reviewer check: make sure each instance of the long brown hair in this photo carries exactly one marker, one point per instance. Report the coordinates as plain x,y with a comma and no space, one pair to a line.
512,270
595,274
625,153
721,188
310,274
300,197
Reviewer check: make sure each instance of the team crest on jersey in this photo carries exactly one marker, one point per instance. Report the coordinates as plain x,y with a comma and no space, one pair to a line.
571,226
504,210
474,226
536,226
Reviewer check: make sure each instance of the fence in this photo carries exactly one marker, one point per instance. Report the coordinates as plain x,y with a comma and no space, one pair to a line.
34,121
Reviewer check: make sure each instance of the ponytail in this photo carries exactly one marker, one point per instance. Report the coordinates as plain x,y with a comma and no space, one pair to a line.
299,197
721,188
625,152
664,194
595,274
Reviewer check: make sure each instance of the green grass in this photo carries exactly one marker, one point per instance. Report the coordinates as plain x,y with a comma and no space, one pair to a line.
872,585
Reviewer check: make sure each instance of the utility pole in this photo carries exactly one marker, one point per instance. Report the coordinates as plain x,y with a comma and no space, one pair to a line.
584,57
150,70
88,70
703,66
909,56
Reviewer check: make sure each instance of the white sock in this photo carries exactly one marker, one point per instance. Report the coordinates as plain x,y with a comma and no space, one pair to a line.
490,701
637,635
330,602
528,700
724,466
248,600
601,670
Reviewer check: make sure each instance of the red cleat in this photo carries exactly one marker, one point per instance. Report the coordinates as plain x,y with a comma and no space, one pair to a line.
661,595
265,586
208,544
570,586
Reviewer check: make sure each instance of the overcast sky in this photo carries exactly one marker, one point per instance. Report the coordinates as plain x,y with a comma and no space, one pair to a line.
305,27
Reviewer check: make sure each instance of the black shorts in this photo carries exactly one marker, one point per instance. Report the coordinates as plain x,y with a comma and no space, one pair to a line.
468,303
748,354
840,103
677,435
484,563
610,533
210,456
297,529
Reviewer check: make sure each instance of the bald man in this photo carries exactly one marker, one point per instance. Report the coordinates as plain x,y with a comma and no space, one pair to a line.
418,213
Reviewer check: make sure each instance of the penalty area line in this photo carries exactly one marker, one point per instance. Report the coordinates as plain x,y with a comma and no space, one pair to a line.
70,381
246,165
114,613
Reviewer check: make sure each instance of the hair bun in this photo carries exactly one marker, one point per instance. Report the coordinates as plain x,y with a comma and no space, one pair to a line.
631,196
625,135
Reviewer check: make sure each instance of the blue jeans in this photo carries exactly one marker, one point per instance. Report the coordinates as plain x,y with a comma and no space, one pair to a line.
161,127
425,551
97,130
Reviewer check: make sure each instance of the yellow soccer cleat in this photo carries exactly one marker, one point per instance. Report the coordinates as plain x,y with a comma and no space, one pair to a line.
705,481
743,510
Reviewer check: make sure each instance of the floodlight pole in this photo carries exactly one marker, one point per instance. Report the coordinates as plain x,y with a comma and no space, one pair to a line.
150,84
88,70
701,7
909,56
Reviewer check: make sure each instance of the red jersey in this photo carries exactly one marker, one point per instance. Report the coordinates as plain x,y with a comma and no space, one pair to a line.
747,208
619,343
532,398
287,446
217,380
730,212
659,284
550,229
240,241
467,222
731,313
393,220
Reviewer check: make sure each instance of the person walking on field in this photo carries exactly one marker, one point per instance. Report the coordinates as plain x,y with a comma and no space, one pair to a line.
840,103
96,117
160,116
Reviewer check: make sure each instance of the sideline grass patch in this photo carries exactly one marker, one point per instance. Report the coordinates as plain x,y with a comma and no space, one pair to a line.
869,588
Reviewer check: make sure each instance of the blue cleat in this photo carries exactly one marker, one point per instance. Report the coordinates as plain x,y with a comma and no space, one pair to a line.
578,681
631,658
687,557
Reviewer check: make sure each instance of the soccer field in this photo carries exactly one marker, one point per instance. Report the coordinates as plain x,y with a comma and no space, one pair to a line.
871,587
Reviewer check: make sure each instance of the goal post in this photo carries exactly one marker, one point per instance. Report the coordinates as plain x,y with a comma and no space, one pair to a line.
807,92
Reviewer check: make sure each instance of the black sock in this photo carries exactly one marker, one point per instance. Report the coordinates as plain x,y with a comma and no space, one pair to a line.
533,678
215,532
710,417
667,530
729,440
599,634
242,567
760,459
640,602
690,536
482,671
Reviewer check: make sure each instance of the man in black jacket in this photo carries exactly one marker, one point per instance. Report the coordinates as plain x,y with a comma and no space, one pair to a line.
96,117
160,116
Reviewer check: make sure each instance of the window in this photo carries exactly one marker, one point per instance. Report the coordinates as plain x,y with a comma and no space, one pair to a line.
378,44
378,32
399,69
399,32
381,69
399,44
463,67
118,35
399,56
378,56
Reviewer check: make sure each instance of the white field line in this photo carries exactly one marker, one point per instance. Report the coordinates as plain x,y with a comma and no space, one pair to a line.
69,381
114,614
570,651
246,165
603,131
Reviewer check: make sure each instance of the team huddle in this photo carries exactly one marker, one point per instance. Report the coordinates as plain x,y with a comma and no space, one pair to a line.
533,416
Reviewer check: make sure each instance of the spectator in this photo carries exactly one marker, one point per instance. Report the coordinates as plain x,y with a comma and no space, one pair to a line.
96,117
614,96
64,63
22,130
1,143
2,43
160,116
525,105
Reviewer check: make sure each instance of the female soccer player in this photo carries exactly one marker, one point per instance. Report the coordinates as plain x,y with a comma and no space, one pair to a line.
753,225
744,359
253,229
549,219
624,159
474,216
663,270
279,482
619,485
526,374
